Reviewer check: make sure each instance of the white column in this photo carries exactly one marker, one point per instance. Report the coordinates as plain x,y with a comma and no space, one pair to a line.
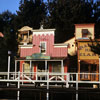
30,68
46,68
62,68
18,92
47,94
76,86
15,68
28,35
9,53
8,66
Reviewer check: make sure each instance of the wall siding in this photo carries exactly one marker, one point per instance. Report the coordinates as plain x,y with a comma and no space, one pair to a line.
50,49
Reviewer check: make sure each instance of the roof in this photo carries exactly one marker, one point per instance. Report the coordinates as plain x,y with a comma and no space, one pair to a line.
87,40
61,45
84,24
52,59
73,38
25,28
1,34
43,30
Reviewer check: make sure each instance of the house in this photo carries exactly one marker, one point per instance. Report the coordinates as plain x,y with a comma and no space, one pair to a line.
39,53
88,62
82,31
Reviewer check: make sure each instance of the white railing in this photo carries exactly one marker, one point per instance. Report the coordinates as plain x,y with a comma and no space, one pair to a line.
50,77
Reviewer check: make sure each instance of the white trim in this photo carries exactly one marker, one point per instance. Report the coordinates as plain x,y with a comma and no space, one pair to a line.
60,45
43,33
43,30
25,46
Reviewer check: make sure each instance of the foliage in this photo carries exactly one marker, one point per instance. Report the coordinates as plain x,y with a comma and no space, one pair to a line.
8,42
63,14
95,46
31,13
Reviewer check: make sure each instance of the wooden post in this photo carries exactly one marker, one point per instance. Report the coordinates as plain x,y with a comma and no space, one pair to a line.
67,80
8,66
18,92
47,95
79,69
15,68
99,71
45,68
62,68
30,68
76,86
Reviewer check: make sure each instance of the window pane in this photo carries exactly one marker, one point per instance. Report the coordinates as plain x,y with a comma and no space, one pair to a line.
43,47
56,67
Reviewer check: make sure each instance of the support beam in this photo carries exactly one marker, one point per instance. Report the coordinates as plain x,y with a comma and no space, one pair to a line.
8,66
62,68
47,94
76,86
30,68
15,68
18,92
99,70
46,68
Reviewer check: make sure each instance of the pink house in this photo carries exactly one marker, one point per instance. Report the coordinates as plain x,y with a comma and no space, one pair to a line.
39,53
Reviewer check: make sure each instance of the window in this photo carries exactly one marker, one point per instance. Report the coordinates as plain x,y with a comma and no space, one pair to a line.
84,32
26,67
43,47
56,67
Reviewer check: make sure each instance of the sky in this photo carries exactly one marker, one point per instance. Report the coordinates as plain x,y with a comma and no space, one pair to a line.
11,5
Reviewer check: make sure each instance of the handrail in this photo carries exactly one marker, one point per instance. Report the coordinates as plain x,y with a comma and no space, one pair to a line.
52,77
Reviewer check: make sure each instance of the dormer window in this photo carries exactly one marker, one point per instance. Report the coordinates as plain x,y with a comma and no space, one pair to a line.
84,33
43,47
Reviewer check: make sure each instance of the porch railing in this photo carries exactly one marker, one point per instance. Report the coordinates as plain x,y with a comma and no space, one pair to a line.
51,77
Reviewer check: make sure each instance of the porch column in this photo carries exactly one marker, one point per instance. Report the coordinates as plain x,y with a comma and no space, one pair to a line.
79,69
62,67
8,76
45,65
30,68
28,35
15,68
45,69
99,71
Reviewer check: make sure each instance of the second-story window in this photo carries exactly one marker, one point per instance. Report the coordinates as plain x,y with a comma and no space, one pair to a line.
43,47
84,33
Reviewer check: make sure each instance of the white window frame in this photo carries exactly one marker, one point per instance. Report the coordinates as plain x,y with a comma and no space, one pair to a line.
45,47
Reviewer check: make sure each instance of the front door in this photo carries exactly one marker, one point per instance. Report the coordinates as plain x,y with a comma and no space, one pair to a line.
88,72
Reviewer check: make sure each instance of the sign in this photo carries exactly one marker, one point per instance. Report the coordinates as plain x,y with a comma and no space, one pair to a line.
38,56
84,51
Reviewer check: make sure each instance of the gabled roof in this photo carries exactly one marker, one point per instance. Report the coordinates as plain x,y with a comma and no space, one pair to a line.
25,28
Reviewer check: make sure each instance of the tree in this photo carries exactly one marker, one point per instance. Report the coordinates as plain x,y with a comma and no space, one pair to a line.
95,46
8,42
31,13
63,14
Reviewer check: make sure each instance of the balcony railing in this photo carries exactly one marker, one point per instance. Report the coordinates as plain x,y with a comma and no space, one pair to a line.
50,77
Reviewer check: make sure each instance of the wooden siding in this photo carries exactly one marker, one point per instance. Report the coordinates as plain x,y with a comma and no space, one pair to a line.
50,49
